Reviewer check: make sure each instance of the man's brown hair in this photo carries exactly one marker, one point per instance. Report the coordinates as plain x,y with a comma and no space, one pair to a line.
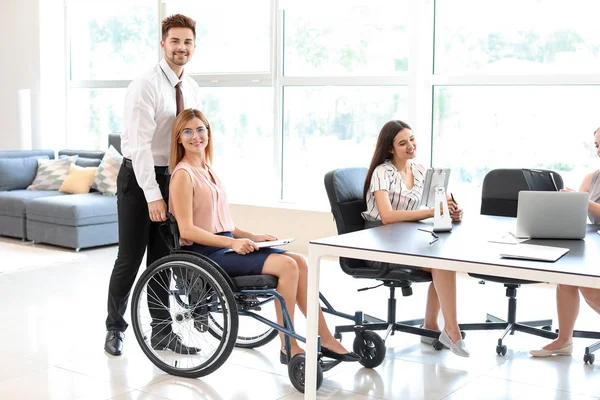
177,21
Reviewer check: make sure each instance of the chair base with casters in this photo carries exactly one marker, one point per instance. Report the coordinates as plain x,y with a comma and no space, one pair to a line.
510,325
187,296
588,355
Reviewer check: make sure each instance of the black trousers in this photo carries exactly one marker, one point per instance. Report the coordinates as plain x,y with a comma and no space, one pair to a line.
136,234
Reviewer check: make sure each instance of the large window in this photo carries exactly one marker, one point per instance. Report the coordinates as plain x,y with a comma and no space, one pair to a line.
295,89
517,37
478,128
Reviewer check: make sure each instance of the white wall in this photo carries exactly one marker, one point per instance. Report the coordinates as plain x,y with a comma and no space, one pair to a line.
285,223
19,70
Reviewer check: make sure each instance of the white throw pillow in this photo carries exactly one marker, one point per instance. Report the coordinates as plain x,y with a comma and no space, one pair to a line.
105,179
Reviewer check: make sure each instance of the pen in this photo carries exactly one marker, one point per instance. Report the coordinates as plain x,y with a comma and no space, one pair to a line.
432,233
452,196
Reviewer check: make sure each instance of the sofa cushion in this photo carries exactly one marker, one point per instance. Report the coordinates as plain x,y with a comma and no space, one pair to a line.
51,173
14,202
18,173
79,180
105,180
26,153
85,158
74,209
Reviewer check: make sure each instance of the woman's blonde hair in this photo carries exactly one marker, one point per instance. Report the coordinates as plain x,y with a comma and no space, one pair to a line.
177,150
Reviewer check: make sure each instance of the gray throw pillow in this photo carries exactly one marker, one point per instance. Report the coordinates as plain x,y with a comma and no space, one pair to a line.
18,173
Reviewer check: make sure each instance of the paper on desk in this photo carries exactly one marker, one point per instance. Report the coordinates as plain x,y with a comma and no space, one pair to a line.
508,238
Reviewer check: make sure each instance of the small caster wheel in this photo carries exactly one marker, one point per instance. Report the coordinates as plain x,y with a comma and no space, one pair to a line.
297,369
463,334
547,328
371,349
501,350
437,345
337,336
589,358
488,321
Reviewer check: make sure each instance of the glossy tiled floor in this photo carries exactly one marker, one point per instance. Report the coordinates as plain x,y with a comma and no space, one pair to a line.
52,334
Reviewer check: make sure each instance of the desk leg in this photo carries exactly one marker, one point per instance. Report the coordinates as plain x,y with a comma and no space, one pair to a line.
312,321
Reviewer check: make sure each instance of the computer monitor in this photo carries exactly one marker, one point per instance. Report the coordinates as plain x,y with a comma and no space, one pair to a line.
540,181
434,177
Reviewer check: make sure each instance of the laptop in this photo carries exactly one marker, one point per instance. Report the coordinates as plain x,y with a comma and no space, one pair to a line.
552,215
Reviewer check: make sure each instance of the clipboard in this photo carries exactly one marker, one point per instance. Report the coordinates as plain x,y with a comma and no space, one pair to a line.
271,243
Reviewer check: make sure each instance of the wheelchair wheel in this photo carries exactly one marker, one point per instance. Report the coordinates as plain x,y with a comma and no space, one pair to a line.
371,349
297,371
252,333
176,293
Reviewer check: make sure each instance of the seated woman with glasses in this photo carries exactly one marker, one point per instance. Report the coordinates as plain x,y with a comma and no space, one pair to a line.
567,297
392,193
198,201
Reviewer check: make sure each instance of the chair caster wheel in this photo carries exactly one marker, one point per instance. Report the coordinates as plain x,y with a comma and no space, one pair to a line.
463,334
547,328
589,358
337,336
437,345
501,350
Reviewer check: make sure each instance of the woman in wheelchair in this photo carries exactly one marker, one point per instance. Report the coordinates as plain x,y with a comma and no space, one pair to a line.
392,193
199,203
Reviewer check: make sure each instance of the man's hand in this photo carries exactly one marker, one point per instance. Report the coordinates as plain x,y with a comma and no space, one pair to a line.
157,210
243,246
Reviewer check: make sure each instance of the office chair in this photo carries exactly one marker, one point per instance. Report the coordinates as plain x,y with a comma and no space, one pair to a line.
345,192
499,196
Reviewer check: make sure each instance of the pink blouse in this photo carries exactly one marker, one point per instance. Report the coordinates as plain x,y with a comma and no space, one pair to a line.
210,207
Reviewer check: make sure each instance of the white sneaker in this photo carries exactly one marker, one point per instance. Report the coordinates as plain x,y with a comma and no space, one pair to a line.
459,348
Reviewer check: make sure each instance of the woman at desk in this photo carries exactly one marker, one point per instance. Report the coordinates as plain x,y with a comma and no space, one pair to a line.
567,297
392,193
199,203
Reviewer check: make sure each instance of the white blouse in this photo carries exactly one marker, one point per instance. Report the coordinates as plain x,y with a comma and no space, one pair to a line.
387,177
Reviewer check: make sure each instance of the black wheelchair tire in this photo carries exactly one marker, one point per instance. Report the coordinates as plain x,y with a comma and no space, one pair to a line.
218,280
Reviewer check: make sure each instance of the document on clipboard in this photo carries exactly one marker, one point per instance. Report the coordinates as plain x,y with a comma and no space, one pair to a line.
271,243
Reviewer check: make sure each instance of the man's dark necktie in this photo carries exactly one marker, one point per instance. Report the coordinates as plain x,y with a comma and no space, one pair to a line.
179,98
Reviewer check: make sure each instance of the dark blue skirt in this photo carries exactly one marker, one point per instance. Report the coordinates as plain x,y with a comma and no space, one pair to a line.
233,263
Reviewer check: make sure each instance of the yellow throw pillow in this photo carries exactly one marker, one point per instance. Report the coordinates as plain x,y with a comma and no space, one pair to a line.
79,180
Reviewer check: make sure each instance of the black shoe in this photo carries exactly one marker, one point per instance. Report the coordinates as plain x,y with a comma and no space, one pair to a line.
171,341
283,358
113,344
351,356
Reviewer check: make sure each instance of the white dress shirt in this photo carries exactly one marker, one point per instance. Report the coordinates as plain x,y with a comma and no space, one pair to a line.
387,177
150,109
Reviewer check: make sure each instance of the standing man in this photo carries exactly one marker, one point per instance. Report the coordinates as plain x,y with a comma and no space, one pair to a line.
151,105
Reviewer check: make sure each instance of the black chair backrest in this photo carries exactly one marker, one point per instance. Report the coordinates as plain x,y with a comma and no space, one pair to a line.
344,188
114,140
500,191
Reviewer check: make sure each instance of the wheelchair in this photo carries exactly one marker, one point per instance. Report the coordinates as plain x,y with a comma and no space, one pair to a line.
211,313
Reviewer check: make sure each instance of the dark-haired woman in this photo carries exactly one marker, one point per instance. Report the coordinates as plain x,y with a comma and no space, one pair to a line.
392,193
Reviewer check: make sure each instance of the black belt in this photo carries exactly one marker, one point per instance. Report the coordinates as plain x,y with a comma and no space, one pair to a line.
159,170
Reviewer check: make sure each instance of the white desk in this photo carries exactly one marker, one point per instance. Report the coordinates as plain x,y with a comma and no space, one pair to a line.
465,249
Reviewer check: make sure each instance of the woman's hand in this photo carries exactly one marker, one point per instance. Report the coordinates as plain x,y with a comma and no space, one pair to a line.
263,238
243,246
455,210
567,190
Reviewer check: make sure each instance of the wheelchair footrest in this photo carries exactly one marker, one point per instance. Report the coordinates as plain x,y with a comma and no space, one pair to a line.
327,365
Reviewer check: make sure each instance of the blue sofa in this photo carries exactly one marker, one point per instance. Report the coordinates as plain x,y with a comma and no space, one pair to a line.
49,216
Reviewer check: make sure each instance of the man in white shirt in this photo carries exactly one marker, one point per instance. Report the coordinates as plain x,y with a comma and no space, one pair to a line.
151,105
